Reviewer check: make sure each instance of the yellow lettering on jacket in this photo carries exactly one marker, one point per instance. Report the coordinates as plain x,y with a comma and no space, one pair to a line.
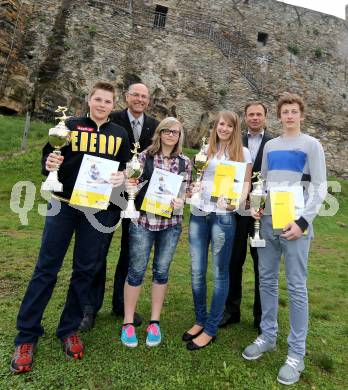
118,144
111,144
92,142
102,143
73,140
95,143
83,142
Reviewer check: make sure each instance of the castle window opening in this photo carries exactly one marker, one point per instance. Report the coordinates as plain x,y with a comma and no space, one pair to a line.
262,38
160,16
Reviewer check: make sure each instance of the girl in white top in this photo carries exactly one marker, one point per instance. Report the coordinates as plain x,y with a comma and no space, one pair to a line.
214,223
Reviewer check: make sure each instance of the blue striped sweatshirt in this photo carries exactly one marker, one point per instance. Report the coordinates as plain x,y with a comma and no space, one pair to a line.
298,160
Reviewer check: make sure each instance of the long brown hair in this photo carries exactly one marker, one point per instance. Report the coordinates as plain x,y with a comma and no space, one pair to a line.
166,123
234,148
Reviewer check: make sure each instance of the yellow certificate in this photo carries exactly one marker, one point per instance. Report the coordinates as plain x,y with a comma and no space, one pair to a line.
228,181
163,187
92,187
283,208
223,182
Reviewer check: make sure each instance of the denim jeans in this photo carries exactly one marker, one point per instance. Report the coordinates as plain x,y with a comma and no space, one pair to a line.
56,238
140,244
296,258
220,230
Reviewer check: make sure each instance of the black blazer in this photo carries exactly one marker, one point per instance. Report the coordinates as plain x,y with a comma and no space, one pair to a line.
258,160
121,118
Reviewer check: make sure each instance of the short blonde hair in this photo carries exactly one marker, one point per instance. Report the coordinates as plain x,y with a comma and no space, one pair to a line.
166,123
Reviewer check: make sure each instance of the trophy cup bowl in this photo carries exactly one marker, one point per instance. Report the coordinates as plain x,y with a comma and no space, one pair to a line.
58,137
200,164
133,171
257,201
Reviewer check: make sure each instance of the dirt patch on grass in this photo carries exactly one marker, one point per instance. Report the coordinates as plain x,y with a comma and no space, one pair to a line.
8,287
325,250
15,233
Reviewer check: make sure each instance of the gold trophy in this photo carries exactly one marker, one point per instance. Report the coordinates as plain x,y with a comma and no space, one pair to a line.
200,164
133,171
257,201
58,136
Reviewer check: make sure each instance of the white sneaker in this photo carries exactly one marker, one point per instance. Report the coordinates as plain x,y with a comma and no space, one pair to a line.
257,349
291,371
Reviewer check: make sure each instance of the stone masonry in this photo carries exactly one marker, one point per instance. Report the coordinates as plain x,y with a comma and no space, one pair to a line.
197,57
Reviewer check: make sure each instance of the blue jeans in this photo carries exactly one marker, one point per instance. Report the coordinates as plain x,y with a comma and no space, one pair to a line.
56,238
140,244
220,230
296,257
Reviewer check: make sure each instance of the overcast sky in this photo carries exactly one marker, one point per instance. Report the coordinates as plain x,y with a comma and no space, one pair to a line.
331,7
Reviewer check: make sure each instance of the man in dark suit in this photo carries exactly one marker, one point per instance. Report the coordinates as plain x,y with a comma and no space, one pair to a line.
140,128
255,114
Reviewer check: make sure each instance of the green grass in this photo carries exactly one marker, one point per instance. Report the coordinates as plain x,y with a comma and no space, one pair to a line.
11,134
107,365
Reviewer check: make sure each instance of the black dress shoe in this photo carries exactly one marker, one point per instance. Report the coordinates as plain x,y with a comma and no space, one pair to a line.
188,336
137,320
87,322
191,346
229,318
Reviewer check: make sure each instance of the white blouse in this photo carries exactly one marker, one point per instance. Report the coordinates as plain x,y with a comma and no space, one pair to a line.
207,182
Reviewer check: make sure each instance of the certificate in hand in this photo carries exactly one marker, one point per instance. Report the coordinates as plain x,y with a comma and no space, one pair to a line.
229,181
92,187
163,187
287,204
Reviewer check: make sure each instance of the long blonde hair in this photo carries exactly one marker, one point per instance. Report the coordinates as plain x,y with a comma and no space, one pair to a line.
166,123
234,148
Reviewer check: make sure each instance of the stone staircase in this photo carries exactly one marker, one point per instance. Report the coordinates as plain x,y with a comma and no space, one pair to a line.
232,44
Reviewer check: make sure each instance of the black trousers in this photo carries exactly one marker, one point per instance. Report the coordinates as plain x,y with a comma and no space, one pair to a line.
97,289
245,227
88,250
121,270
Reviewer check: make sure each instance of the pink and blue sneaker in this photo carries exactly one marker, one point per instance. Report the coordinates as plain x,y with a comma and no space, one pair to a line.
153,335
128,336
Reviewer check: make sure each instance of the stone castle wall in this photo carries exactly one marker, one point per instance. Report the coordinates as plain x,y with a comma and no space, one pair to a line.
210,55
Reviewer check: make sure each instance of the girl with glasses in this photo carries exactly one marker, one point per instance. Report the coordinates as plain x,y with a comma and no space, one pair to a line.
151,230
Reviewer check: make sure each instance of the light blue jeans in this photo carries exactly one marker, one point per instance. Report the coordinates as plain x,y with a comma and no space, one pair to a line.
219,229
296,256
140,244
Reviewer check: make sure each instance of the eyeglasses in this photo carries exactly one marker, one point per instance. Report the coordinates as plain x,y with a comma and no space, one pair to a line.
169,131
138,95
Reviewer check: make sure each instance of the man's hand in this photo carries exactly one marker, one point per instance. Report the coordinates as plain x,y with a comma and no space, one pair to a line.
132,185
117,179
53,162
177,203
256,214
291,231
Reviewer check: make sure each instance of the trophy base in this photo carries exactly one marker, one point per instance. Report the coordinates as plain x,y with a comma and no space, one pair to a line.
55,186
130,214
257,242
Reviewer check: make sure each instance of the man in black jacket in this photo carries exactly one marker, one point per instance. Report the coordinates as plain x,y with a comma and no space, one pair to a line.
140,128
255,113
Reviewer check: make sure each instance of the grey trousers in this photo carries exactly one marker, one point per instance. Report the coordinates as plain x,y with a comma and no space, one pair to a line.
296,256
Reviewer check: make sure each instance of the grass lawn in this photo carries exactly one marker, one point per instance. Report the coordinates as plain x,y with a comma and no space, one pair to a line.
109,365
